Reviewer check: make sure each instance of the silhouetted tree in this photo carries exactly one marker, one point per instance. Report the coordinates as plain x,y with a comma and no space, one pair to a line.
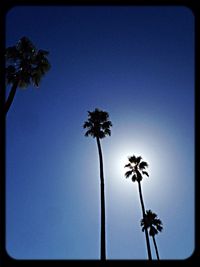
98,126
25,65
137,168
151,222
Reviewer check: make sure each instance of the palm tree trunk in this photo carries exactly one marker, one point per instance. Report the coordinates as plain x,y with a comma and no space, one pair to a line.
103,232
156,248
143,214
10,97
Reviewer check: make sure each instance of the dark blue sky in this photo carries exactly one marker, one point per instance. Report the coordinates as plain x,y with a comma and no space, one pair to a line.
137,63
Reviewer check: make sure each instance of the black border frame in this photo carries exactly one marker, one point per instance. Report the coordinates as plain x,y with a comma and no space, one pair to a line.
5,6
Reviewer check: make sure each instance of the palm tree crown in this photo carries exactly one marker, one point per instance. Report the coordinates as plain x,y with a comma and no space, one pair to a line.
152,222
136,167
97,124
24,64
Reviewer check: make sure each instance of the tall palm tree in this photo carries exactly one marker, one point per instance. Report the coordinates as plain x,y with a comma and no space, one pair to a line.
154,224
98,126
25,65
136,170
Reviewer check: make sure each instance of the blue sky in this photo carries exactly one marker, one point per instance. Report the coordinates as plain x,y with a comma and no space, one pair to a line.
137,63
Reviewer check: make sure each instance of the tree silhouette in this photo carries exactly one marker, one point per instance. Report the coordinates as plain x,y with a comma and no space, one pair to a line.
154,224
25,65
136,169
98,126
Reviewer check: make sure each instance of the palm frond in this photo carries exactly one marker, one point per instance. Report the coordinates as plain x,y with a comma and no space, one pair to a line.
36,79
10,74
106,125
149,212
24,78
128,173
11,53
107,132
150,215
159,228
42,53
158,221
153,231
87,124
128,165
146,173
101,134
132,159
143,165
142,224
134,178
138,159
25,46
138,175
89,132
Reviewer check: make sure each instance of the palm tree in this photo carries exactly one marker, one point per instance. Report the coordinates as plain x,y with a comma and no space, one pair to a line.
154,224
137,168
25,65
98,126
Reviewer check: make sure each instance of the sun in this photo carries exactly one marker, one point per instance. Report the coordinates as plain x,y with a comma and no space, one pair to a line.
122,155
117,158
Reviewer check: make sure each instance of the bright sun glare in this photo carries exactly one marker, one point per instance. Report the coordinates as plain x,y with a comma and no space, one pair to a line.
122,159
149,153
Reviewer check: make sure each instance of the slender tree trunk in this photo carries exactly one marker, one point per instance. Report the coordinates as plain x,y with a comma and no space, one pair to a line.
143,214
103,231
10,97
156,248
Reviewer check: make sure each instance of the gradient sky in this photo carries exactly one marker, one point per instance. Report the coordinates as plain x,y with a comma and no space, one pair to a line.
137,63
